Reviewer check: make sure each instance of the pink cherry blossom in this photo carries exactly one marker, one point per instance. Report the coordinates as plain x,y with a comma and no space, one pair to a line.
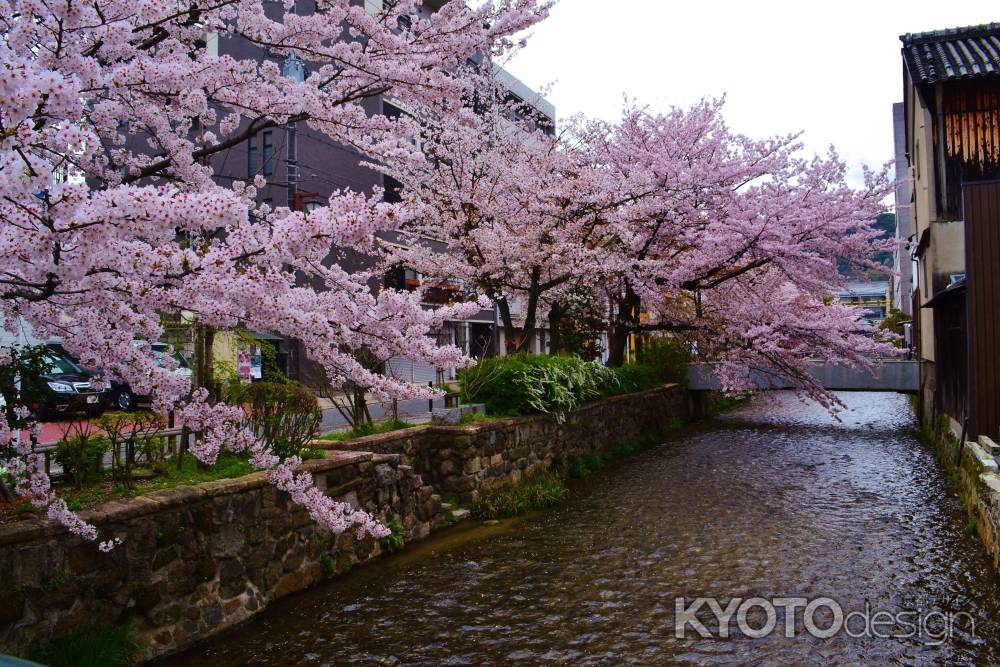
111,115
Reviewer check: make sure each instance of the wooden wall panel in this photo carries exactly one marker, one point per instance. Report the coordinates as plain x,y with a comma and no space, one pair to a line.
982,251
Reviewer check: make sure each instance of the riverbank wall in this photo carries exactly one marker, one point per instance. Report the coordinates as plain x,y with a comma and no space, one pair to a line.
973,474
198,560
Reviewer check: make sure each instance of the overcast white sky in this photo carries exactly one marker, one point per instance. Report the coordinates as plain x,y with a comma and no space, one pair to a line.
830,69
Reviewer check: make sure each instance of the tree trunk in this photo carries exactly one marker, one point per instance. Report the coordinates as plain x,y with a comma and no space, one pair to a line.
626,318
555,335
204,376
508,325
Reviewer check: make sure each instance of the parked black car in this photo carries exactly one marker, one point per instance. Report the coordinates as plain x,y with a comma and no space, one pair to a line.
67,388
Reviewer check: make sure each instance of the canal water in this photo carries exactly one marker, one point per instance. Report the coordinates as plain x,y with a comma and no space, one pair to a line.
774,499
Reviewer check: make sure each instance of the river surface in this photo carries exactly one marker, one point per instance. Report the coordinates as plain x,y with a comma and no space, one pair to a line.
773,499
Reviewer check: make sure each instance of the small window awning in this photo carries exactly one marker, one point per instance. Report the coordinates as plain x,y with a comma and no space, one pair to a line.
953,291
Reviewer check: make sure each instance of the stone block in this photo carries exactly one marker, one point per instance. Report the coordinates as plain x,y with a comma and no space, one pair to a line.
446,416
981,461
473,465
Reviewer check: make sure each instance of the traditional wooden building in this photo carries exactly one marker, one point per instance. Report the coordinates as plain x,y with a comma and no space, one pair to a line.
952,123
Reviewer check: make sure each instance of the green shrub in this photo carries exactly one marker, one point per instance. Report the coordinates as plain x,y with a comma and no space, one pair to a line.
474,418
525,384
666,357
536,491
636,377
80,455
102,647
394,541
584,465
285,416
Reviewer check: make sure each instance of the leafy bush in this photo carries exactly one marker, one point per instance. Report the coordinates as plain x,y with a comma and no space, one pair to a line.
80,454
524,384
636,377
536,491
285,416
474,418
893,324
25,365
581,320
394,541
666,357
104,647
133,442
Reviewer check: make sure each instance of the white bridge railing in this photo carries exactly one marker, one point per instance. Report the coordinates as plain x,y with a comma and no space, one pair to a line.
890,375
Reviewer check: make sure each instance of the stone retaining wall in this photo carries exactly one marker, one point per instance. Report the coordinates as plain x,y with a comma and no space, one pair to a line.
977,482
200,559
197,560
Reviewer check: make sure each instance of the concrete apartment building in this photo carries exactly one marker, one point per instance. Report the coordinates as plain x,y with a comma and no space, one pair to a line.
902,264
951,117
303,168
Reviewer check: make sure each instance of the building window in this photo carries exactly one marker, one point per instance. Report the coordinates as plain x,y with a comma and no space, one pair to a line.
252,163
268,153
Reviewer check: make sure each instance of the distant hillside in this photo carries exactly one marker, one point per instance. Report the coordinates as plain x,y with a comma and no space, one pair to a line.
887,224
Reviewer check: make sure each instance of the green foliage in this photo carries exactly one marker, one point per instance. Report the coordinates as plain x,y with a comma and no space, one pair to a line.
893,323
474,418
526,384
667,358
285,416
133,442
394,541
57,581
529,384
80,454
227,379
270,371
724,403
368,429
580,324
536,491
227,466
100,647
972,526
581,466
309,453
327,565
27,364
635,377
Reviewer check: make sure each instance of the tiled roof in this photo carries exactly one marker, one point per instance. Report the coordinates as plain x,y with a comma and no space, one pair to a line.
956,53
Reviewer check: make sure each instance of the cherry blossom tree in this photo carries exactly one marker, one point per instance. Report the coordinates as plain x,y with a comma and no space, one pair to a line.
111,115
734,243
513,203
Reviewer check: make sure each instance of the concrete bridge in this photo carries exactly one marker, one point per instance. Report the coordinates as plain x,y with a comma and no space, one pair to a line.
899,376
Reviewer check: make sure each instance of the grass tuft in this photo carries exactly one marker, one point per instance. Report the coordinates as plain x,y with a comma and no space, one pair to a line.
474,418
536,491
368,429
93,647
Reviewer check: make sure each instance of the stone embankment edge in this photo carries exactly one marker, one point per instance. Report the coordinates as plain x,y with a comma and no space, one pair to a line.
404,475
974,473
